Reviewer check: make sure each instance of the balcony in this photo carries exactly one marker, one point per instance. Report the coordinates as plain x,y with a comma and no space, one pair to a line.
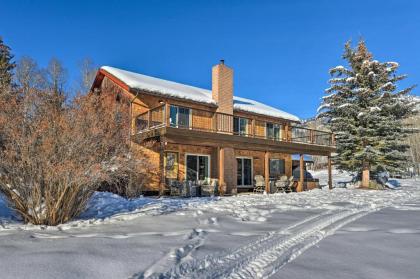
183,121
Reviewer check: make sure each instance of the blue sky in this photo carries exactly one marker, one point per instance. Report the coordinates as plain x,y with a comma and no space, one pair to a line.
280,50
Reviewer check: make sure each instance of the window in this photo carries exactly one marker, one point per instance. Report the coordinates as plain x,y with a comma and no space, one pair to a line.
244,171
240,126
276,168
198,168
179,117
273,131
171,165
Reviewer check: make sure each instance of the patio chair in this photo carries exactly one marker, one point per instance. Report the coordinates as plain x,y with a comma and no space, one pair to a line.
175,188
259,186
281,184
291,186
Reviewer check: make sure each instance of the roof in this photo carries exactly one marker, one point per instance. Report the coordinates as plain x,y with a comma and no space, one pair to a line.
191,93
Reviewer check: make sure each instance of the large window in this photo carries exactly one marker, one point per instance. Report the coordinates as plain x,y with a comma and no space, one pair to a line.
171,165
198,168
179,117
240,126
276,168
273,131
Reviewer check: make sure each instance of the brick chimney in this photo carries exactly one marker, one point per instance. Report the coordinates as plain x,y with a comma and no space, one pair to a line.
222,87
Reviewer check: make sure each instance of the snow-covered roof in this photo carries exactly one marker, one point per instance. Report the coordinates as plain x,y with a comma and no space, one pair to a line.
191,93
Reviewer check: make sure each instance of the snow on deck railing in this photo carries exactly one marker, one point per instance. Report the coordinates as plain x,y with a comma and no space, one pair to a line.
216,122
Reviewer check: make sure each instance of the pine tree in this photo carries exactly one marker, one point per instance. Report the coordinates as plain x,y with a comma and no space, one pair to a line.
6,66
365,110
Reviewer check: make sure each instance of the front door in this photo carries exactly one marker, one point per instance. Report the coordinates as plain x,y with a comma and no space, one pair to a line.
244,171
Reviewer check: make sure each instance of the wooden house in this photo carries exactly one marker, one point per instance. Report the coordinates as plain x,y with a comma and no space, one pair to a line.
195,134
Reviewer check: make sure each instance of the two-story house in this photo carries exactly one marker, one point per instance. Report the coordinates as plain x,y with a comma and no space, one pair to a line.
195,134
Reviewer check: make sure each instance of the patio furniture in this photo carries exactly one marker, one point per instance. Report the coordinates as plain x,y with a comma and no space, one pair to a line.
259,186
191,189
175,187
282,184
209,189
292,185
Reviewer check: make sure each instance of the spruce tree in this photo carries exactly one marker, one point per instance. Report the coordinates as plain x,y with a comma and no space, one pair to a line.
6,66
364,108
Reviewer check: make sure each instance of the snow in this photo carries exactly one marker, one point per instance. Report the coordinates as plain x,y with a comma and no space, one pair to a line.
344,105
252,106
160,86
338,68
316,234
182,91
350,79
375,108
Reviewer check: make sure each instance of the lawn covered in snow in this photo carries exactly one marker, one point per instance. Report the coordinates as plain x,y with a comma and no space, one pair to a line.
296,235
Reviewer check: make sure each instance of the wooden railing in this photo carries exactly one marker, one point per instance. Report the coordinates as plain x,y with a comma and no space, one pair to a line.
151,119
202,120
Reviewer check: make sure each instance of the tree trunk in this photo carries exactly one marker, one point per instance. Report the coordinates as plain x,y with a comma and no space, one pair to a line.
366,175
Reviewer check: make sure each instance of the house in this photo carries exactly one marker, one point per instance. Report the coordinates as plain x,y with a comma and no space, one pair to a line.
195,134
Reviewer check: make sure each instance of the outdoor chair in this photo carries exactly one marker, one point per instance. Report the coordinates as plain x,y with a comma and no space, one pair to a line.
291,186
259,186
175,188
282,184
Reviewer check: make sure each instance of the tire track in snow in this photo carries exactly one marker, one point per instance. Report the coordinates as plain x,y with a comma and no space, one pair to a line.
265,256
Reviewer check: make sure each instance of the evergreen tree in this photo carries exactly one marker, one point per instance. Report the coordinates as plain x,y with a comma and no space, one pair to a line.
6,66
364,108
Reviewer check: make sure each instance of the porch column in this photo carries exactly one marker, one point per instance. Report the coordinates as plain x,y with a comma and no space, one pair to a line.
161,166
149,119
221,170
267,171
300,187
329,173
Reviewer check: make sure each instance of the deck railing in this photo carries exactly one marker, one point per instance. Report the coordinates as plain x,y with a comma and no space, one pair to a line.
208,121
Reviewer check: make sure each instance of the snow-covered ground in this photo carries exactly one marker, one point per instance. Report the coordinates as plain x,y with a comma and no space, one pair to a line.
316,234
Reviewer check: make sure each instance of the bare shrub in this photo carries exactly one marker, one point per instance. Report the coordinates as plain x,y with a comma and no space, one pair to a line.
54,157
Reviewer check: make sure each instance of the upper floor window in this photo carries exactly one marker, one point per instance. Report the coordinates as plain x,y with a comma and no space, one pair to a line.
273,131
240,126
180,117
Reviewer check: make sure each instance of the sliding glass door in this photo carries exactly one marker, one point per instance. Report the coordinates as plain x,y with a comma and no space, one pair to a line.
273,131
277,168
244,171
198,168
240,126
179,117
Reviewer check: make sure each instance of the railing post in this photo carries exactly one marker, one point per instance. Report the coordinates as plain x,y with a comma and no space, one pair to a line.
214,122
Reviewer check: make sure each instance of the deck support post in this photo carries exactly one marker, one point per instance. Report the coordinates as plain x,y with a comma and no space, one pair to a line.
365,175
267,171
149,119
162,166
329,173
301,175
221,153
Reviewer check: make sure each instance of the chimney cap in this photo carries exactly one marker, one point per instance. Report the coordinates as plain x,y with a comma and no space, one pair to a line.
222,61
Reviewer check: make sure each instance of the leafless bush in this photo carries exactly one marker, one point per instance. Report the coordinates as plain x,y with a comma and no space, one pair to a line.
54,157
